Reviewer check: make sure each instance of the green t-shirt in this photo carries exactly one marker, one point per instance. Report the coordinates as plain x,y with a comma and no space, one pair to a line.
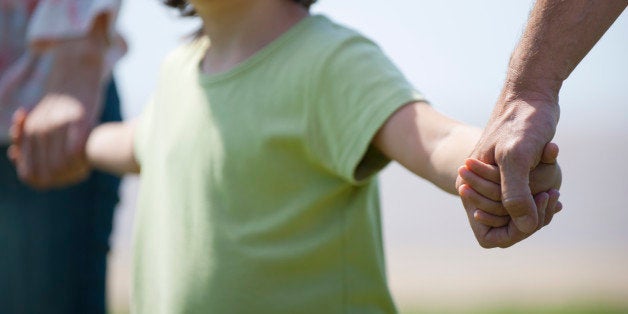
257,192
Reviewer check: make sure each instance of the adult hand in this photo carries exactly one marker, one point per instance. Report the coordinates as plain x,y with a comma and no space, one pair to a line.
557,37
49,141
513,139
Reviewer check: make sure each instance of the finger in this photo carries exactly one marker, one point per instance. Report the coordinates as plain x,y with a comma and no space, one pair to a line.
13,153
57,160
554,195
16,134
484,187
75,164
557,209
478,201
506,236
541,200
486,171
75,145
516,195
503,237
42,163
544,178
550,153
76,138
24,166
552,205
490,220
479,230
17,125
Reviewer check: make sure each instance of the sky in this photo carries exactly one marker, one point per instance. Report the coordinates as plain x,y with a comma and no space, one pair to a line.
456,53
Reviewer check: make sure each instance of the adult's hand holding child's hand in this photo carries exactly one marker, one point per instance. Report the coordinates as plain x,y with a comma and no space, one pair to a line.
478,185
49,142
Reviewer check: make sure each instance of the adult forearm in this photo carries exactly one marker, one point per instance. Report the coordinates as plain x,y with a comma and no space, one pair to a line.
51,149
78,68
557,37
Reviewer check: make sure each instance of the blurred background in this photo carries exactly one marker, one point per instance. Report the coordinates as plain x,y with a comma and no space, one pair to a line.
456,53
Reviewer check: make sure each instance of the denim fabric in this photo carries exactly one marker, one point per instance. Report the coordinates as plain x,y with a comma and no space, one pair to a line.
54,244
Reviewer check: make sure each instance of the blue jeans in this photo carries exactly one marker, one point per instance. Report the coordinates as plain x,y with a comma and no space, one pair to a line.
54,244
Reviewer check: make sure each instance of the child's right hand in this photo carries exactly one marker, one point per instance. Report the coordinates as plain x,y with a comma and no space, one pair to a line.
481,187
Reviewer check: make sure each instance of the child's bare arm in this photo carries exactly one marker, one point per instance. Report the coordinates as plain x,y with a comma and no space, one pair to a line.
433,146
427,143
110,148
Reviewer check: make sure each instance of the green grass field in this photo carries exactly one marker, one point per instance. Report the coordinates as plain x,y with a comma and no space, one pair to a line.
589,308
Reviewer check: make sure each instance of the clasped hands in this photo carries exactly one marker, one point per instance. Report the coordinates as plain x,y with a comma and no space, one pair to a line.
48,151
479,187
48,143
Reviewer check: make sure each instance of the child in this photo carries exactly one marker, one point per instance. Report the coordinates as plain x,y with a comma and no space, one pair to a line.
258,156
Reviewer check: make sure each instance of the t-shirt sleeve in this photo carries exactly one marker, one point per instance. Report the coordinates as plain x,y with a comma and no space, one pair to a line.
143,127
358,89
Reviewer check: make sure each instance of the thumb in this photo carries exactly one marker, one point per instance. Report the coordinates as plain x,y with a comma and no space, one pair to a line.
16,131
516,195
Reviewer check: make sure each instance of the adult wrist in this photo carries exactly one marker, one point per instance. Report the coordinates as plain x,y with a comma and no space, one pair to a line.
532,89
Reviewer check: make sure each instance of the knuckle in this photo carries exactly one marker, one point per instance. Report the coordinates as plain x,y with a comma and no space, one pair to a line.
485,245
493,209
495,195
516,205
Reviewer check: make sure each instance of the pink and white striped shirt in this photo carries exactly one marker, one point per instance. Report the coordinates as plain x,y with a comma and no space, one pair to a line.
28,28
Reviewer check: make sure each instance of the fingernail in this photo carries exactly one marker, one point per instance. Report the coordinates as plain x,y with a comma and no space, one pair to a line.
461,189
525,224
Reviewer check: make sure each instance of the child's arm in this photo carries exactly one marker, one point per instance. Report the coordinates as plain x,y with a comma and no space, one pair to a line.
433,146
110,148
427,143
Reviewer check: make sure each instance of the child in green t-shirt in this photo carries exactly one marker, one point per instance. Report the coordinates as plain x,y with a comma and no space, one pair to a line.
258,155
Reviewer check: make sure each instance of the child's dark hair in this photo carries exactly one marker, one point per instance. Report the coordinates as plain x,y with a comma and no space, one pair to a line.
187,10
